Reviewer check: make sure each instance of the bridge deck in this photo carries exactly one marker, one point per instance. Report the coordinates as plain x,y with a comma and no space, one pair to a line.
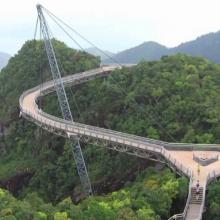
187,158
192,213
181,160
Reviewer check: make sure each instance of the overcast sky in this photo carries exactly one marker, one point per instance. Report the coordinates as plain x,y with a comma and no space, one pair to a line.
114,25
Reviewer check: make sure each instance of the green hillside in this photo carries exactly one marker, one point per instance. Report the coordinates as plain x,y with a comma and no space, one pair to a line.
4,57
150,198
145,51
174,99
207,46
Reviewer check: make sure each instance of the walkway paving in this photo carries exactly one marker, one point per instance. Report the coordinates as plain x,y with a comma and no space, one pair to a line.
186,157
192,213
182,159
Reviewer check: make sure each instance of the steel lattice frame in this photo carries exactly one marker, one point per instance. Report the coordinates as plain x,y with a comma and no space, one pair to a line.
63,101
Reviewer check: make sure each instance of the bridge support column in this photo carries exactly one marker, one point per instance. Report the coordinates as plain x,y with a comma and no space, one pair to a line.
81,168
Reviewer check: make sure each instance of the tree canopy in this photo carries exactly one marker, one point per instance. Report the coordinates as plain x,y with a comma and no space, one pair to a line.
150,198
174,99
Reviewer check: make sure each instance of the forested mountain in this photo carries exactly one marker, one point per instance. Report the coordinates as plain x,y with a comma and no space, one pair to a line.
145,51
4,57
174,99
207,46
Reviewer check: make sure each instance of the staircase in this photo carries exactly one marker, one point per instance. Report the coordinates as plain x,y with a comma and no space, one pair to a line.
193,196
193,212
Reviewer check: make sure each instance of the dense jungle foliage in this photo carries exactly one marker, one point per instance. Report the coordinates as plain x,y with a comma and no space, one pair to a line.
213,202
174,99
150,198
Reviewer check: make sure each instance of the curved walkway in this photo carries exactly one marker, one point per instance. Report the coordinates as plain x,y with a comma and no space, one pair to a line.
180,160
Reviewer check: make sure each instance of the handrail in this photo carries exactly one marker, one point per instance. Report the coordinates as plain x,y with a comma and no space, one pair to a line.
209,178
176,163
203,199
50,84
135,141
183,215
94,128
69,127
64,124
157,145
215,174
152,141
61,124
189,196
193,145
107,134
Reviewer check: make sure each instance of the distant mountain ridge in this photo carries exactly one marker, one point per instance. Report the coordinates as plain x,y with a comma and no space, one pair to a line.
145,51
4,57
94,51
207,46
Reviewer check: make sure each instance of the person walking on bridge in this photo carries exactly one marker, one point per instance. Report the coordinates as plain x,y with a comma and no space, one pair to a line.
197,193
198,169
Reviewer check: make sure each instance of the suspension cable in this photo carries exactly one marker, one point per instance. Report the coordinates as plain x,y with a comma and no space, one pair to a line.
123,91
54,17
36,27
67,34
63,70
75,102
40,69
141,108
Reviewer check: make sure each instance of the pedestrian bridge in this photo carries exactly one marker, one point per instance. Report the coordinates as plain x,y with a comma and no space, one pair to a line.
178,156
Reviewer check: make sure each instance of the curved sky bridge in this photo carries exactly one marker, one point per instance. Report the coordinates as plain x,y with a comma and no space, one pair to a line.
180,157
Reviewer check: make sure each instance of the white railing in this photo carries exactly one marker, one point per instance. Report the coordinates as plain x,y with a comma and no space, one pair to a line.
203,203
107,134
193,146
114,136
81,129
101,133
176,163
68,79
212,175
97,132
182,216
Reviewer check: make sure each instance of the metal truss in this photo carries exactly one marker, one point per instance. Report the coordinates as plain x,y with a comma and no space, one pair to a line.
138,152
63,101
124,149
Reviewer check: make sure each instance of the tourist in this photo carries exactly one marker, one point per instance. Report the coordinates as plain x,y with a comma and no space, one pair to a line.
197,193
198,169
